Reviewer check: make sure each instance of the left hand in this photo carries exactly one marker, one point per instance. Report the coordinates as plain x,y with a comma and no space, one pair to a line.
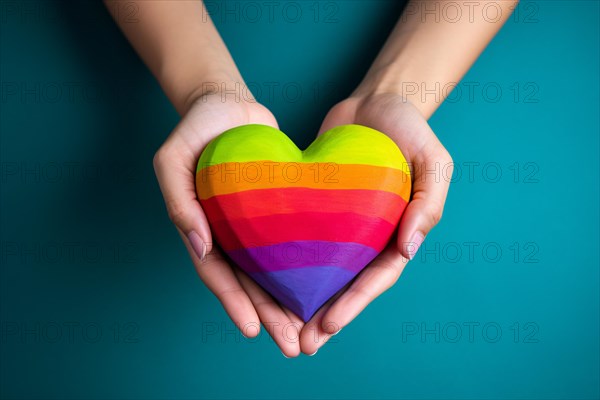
246,303
431,170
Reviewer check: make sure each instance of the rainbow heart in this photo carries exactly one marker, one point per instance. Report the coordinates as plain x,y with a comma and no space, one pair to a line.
302,223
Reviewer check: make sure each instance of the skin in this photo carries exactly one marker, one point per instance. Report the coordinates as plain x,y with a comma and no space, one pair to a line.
182,48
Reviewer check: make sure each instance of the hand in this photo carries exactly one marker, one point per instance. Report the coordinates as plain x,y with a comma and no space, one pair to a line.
175,164
403,123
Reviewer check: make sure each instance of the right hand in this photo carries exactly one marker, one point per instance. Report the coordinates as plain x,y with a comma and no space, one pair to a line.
246,303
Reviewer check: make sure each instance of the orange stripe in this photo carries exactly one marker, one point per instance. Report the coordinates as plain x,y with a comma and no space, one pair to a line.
236,177
258,203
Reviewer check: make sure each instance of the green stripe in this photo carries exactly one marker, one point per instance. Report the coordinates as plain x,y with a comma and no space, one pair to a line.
347,144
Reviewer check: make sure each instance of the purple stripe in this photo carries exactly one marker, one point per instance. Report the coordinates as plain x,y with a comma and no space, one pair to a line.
303,254
304,290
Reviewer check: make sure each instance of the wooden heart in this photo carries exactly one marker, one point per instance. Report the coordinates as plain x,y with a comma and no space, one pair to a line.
302,223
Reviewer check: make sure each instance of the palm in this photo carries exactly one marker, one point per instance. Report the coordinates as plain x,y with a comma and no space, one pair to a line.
394,116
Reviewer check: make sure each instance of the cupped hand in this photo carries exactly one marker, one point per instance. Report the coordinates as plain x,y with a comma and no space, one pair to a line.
431,168
246,303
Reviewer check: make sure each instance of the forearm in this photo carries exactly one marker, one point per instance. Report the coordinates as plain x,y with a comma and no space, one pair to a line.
180,45
432,47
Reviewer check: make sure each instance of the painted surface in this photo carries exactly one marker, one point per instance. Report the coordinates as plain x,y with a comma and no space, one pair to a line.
302,223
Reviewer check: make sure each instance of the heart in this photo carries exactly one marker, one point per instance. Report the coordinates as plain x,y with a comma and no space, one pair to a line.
302,224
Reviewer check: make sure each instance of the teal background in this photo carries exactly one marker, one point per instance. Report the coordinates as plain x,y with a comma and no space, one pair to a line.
99,298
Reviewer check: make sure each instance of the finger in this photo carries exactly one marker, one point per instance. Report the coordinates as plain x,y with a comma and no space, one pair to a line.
282,329
375,279
220,279
292,316
431,180
313,336
341,114
176,161
175,167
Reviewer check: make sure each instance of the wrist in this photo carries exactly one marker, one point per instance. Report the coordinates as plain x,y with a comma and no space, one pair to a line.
227,87
414,87
184,89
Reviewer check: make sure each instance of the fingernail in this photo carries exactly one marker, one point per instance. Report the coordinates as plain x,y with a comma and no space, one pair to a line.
284,355
197,244
414,244
333,334
310,355
331,328
246,330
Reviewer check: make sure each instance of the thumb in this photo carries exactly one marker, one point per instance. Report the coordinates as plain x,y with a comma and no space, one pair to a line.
430,187
175,171
341,114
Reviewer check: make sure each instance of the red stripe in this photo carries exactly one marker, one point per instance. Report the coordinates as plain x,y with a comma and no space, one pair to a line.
280,228
263,202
